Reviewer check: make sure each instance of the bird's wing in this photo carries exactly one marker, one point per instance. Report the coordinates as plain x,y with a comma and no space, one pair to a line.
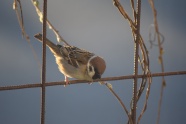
75,56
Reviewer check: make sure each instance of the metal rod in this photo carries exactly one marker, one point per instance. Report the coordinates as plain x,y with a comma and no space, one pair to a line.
127,77
136,54
43,80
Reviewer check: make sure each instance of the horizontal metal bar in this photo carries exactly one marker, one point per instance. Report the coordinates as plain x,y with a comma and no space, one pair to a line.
2,88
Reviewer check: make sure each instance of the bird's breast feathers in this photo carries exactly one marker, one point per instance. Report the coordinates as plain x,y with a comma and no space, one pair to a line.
69,70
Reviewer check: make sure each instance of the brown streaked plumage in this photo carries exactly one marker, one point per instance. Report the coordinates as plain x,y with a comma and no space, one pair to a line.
75,62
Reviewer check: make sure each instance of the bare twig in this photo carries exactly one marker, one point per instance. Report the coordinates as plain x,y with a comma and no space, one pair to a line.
153,36
21,24
160,56
133,9
143,57
109,86
123,12
56,32
146,99
20,17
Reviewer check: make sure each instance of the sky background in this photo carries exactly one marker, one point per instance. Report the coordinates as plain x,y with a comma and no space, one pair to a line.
97,26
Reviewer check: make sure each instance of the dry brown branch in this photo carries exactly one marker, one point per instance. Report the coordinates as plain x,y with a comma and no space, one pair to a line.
153,36
20,19
143,58
146,99
39,13
133,9
151,2
123,12
109,86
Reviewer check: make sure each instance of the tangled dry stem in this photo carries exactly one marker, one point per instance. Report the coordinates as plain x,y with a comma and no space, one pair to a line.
144,59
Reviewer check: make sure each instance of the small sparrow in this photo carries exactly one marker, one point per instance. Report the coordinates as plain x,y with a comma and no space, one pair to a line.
75,62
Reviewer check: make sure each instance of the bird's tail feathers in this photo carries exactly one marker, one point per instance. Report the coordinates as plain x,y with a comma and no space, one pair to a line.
53,47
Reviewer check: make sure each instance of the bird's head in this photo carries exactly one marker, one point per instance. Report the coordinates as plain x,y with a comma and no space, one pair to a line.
96,67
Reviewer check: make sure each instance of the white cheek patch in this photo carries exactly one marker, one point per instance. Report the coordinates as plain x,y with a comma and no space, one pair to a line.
90,70
91,74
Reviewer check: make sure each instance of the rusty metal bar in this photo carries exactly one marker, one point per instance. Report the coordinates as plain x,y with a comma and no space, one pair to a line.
136,56
127,77
43,80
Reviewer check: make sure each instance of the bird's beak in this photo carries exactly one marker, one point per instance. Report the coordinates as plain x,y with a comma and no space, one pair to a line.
96,76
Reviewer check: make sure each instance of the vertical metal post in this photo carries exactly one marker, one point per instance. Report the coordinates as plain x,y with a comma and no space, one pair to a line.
43,80
136,55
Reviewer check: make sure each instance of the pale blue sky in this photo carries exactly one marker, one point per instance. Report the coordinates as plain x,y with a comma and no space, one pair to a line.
97,26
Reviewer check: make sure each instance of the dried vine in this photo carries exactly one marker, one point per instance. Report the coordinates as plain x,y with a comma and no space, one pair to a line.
160,39
144,59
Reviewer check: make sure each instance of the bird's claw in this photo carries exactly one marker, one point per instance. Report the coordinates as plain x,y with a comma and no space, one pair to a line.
66,81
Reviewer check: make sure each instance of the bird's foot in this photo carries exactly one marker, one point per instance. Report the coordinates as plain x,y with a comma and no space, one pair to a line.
66,81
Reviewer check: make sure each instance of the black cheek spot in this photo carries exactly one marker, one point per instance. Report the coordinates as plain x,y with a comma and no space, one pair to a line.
90,68
96,75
